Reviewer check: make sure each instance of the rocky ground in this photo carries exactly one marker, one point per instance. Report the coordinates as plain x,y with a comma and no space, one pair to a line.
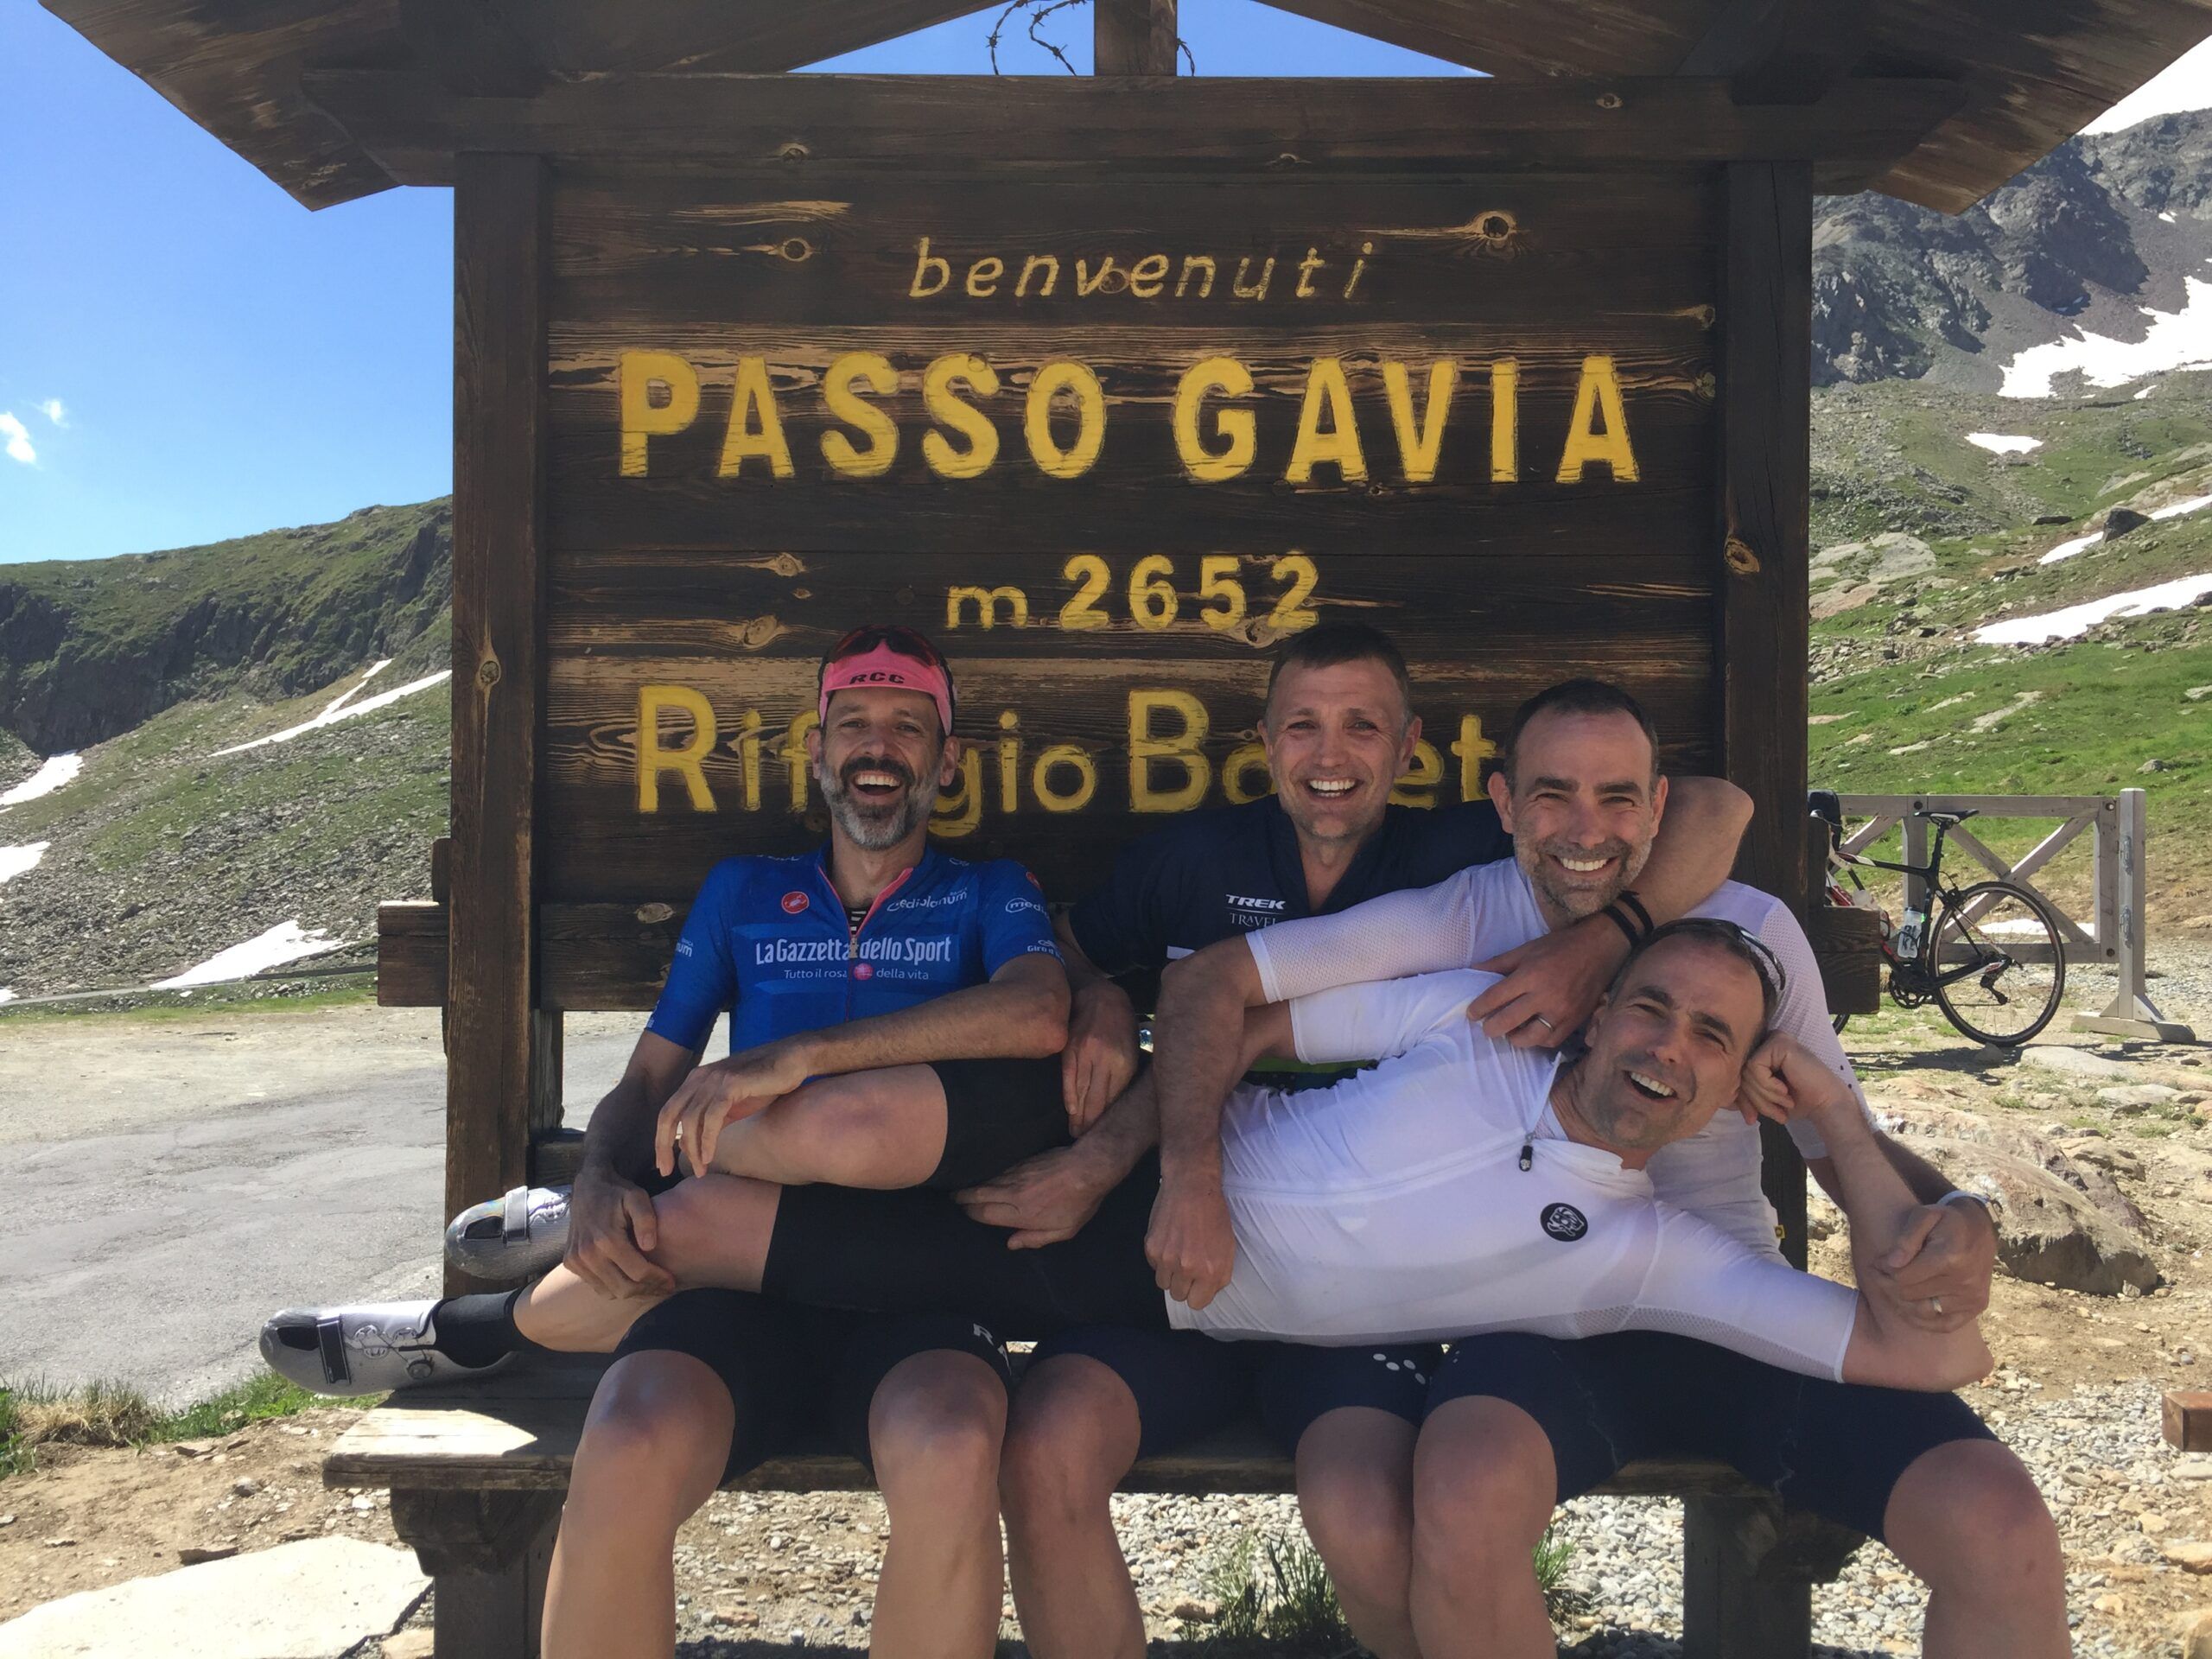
2122,1133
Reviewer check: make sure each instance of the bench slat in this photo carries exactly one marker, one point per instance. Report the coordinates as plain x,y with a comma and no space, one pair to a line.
518,1432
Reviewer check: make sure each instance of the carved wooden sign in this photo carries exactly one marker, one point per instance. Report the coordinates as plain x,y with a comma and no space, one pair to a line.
1108,441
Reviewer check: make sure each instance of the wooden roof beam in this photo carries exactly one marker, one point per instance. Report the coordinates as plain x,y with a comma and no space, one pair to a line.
471,47
726,36
1779,51
414,127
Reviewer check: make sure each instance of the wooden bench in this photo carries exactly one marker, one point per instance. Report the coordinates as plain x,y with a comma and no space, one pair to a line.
477,1472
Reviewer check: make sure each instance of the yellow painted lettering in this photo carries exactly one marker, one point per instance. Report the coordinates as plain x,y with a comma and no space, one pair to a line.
1338,446
792,753
636,375
987,600
1226,375
930,269
688,759
1472,749
755,428
1217,579
961,808
1200,263
1505,421
946,407
1085,284
1081,614
1238,782
748,758
1049,264
1184,749
1311,263
1417,785
1153,601
983,277
1420,438
1291,612
1259,291
1357,266
1598,393
1147,275
1086,777
1009,758
1082,386
874,370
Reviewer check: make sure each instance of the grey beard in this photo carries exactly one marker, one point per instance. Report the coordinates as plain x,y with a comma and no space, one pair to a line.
873,831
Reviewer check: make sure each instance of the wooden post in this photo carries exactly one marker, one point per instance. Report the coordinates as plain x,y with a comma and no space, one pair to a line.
1133,37
488,1553
503,1057
1764,499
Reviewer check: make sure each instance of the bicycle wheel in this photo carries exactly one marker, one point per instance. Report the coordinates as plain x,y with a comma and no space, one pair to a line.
1998,965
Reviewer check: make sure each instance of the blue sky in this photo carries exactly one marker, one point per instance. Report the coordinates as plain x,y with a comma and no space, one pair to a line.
185,355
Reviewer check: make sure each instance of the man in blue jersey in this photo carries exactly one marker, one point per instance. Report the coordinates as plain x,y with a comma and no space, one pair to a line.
924,998
1338,730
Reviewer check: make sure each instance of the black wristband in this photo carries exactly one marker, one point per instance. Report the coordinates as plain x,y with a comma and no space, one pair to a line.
1613,914
1628,897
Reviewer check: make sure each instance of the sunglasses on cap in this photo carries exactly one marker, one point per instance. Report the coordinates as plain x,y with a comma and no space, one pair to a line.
906,642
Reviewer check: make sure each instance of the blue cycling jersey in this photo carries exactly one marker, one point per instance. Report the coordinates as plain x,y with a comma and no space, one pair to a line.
767,939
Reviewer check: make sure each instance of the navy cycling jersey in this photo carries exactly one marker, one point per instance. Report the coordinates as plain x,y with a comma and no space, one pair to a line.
1212,875
767,939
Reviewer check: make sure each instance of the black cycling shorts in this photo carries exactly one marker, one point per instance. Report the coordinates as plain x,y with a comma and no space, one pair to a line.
1187,1384
793,1371
997,1114
1834,1448
916,1251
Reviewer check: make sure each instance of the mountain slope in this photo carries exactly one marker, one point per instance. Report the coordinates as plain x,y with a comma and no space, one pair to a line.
2083,241
90,649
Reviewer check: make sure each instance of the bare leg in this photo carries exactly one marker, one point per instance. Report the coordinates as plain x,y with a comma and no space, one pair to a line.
1356,1492
714,1230
934,1430
1484,1487
652,1452
883,1128
1967,1519
1074,1436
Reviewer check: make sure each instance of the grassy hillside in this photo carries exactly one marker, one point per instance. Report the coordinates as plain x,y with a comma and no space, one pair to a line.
1904,700
91,648
163,852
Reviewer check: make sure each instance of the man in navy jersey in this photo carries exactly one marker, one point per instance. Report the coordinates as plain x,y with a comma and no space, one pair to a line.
1338,730
894,1014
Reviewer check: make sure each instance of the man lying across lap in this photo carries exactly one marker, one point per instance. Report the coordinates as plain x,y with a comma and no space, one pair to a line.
868,967
1338,729
1461,1185
1518,1422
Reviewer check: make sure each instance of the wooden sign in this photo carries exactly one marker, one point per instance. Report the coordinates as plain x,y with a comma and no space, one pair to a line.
1108,442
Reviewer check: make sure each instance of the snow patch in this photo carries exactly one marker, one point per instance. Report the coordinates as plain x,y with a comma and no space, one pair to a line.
58,770
14,860
281,944
2077,620
6,995
2168,219
342,708
2178,510
1996,715
2147,392
2178,339
2000,443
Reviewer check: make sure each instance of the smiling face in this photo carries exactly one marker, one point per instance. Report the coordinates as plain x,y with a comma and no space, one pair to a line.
1666,1049
1583,806
880,761
1336,738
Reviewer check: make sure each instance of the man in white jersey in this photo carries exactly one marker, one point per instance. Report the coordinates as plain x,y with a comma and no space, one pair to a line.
1540,1421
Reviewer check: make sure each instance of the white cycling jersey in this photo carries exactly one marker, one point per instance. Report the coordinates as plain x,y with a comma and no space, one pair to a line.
1392,1206
1489,909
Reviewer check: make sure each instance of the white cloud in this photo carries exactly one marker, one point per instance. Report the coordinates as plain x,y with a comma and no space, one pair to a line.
2185,84
16,440
52,411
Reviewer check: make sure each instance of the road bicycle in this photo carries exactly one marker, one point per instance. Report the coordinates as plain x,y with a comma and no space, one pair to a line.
1992,960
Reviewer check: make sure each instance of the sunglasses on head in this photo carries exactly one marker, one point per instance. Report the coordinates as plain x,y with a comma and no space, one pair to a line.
904,640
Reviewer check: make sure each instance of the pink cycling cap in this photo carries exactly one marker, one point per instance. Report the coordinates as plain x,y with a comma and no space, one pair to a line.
894,657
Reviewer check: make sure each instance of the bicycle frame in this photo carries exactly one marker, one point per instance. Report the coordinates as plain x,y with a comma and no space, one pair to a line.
1922,960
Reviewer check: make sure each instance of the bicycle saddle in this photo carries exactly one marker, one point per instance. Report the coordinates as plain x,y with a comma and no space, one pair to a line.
1953,819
